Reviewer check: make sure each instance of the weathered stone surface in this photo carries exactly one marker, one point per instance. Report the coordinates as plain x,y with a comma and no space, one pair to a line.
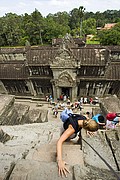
17,113
34,116
26,138
6,102
37,116
22,113
93,173
34,170
4,136
7,111
47,153
5,168
113,138
31,152
15,56
44,116
110,104
100,144
11,118
10,155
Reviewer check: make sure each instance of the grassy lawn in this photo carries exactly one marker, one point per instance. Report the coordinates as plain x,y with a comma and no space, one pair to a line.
92,42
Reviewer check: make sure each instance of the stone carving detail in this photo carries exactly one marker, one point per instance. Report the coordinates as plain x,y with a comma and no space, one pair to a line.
65,80
68,42
64,59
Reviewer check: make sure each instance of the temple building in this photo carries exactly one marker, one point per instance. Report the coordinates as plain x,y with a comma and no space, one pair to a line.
68,66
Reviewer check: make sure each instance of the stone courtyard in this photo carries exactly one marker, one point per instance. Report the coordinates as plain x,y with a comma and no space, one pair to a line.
28,150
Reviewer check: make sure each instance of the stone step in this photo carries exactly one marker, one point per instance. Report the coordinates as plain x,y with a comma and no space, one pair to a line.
47,153
41,153
34,170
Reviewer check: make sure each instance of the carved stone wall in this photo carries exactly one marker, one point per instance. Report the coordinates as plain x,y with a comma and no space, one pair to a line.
65,79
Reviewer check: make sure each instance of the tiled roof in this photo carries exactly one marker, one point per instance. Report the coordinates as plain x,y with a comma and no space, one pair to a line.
86,56
91,56
113,72
13,71
109,26
41,56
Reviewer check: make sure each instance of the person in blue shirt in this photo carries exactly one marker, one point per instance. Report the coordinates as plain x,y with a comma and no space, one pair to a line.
99,118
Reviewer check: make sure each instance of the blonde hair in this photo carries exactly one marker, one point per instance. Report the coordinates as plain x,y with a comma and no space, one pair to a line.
90,125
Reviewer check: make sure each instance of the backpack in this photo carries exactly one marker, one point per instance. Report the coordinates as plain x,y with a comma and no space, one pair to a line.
111,116
65,115
73,120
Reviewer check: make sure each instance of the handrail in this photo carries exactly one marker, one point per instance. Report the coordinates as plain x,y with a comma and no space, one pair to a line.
112,170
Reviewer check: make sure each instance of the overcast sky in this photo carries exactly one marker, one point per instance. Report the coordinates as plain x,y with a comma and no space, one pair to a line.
53,6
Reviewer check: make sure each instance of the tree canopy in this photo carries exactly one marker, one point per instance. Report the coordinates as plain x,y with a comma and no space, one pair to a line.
110,37
16,30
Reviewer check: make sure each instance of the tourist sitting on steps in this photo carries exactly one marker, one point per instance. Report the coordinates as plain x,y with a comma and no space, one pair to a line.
72,126
113,120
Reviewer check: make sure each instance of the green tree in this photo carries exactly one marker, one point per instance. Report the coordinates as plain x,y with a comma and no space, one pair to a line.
36,29
74,21
81,14
33,27
89,26
99,19
54,30
60,17
110,37
11,29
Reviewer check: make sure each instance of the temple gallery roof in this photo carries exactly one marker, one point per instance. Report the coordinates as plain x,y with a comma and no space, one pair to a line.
13,71
17,60
113,72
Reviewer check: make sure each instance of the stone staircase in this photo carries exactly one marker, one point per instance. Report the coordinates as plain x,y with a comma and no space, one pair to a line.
41,164
28,152
31,152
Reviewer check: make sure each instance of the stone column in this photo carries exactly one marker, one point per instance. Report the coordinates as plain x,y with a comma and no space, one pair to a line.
54,92
74,92
2,88
58,92
55,89
31,88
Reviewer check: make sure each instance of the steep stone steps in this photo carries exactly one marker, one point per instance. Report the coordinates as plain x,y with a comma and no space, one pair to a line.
47,153
30,152
35,170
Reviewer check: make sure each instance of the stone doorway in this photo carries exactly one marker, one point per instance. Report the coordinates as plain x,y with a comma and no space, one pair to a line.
66,91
